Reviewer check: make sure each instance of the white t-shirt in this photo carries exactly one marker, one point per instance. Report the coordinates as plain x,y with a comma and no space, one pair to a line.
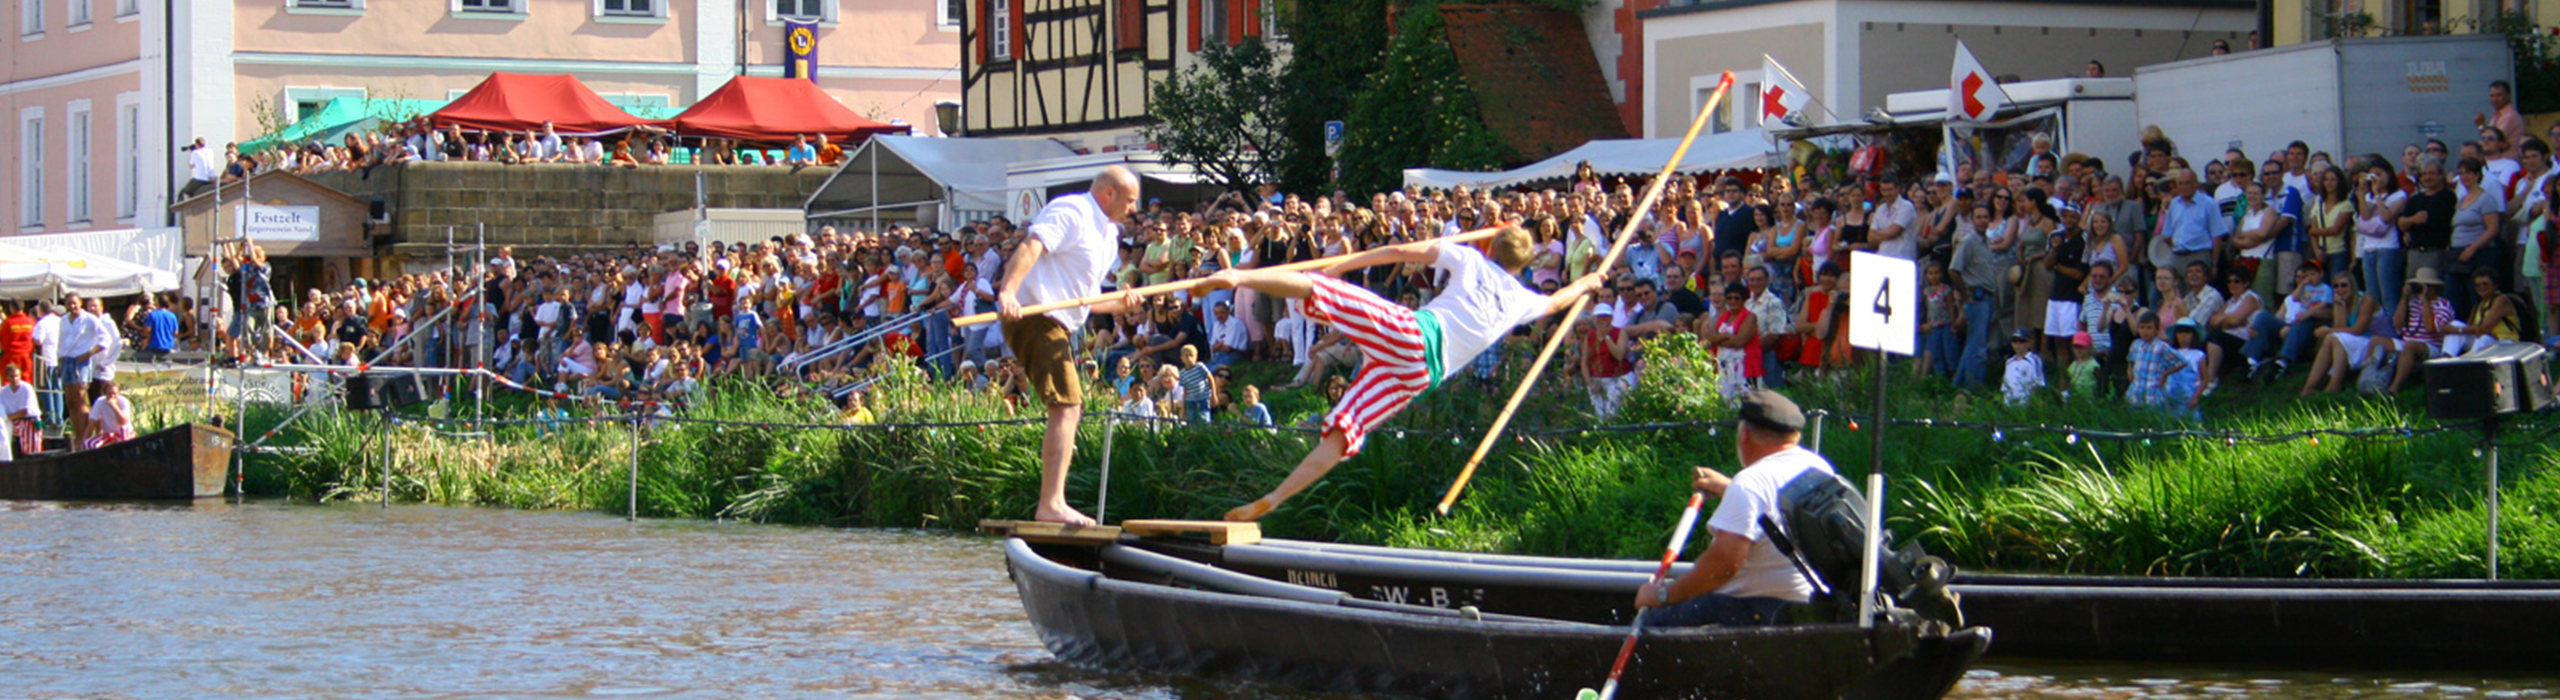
1766,572
1480,304
1079,248
203,165
20,397
1900,212
2021,377
102,411
637,294
49,338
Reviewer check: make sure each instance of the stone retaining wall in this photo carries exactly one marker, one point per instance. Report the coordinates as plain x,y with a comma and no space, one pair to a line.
555,208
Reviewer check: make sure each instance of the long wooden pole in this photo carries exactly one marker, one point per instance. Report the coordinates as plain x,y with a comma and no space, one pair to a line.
1626,235
1180,285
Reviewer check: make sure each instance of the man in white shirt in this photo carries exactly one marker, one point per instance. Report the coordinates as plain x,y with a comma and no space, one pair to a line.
1742,578
73,374
547,147
1228,339
1895,231
2497,169
1073,244
48,358
204,167
19,403
109,342
1405,351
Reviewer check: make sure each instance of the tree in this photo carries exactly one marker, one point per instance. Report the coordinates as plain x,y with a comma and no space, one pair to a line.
1417,111
1334,46
1223,116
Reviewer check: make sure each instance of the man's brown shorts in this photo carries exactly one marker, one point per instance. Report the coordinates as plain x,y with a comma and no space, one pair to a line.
1048,359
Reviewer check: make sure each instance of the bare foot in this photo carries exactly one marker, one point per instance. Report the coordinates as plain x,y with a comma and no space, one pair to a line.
1251,511
1064,515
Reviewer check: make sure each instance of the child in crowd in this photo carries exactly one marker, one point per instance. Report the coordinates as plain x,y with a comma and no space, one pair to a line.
2084,367
1195,385
2024,373
1250,407
2187,383
1939,344
856,411
1134,402
2153,361
547,420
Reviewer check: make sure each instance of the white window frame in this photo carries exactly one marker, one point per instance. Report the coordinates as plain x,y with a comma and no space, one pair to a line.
128,155
31,19
1213,23
295,95
323,6
133,8
79,174
657,10
489,9
31,167
1000,29
826,13
1272,29
77,15
946,16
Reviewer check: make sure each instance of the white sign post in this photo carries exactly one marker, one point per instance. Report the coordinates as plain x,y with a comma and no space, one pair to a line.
1884,316
1884,303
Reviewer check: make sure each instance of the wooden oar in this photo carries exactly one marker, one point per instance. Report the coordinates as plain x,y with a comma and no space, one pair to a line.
1679,540
1180,285
1625,235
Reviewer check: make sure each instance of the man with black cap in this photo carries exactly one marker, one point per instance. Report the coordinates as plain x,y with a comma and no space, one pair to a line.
1742,578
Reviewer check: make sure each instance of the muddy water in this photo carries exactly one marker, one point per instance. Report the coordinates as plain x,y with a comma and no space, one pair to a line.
269,600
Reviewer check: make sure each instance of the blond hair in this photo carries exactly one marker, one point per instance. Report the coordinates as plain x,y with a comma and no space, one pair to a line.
1511,248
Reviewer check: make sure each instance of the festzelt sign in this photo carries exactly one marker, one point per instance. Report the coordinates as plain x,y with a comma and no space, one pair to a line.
269,223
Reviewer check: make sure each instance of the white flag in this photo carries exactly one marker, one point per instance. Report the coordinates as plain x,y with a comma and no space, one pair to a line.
1971,93
1781,96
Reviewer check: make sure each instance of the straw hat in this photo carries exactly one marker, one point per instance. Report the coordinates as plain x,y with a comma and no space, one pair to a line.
2428,276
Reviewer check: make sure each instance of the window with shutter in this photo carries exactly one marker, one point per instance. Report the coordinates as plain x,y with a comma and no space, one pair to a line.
1191,17
1133,24
1235,21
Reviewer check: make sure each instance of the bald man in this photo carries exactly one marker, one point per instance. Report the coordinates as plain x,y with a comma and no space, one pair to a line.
1071,244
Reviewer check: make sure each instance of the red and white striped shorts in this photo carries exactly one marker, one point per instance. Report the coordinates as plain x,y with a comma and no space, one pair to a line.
1393,369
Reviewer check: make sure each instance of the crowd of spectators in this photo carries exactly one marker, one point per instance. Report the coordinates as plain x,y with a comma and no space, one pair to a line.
2155,277
417,140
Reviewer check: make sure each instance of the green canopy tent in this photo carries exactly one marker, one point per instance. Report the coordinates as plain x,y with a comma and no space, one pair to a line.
335,119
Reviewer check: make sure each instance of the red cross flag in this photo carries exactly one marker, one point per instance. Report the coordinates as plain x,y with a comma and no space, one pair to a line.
1972,95
1781,95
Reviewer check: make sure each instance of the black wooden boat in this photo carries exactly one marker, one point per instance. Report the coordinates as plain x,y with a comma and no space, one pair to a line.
187,461
2400,623
1368,619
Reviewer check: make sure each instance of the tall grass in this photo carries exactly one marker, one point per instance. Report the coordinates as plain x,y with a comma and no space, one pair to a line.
2026,500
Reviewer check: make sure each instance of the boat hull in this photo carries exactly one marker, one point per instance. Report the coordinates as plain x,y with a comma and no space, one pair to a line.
1089,619
2436,624
187,461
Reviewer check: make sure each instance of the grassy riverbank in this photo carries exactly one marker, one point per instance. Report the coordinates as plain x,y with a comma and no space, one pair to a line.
2028,501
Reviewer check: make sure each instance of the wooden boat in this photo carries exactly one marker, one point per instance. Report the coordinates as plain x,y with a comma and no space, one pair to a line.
1435,624
187,461
2400,623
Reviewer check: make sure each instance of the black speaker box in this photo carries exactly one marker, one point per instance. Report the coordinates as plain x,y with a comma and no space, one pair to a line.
2507,379
402,390
361,392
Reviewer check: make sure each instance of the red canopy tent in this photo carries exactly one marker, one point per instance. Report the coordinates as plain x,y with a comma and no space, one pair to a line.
776,109
519,102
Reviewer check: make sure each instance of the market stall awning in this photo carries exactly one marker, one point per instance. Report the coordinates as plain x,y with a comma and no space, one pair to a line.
776,109
338,116
34,273
1732,150
898,171
519,102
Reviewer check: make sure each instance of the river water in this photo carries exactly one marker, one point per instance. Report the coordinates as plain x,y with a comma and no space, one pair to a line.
269,600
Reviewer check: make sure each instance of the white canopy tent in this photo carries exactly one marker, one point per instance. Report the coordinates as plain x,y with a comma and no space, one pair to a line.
1732,150
956,177
32,273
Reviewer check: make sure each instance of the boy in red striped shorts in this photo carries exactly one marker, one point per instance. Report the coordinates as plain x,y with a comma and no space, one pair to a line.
1403,351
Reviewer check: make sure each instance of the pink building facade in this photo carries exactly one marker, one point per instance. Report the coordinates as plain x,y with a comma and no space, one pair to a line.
101,94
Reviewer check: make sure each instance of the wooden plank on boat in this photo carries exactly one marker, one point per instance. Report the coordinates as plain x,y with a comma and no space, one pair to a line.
1054,533
1218,532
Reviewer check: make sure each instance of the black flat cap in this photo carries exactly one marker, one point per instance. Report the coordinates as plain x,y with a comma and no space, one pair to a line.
1771,410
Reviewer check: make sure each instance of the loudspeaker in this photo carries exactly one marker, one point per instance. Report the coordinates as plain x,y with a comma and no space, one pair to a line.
361,392
401,390
2502,380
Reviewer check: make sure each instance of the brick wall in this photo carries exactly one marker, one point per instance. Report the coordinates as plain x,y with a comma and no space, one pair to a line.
553,209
